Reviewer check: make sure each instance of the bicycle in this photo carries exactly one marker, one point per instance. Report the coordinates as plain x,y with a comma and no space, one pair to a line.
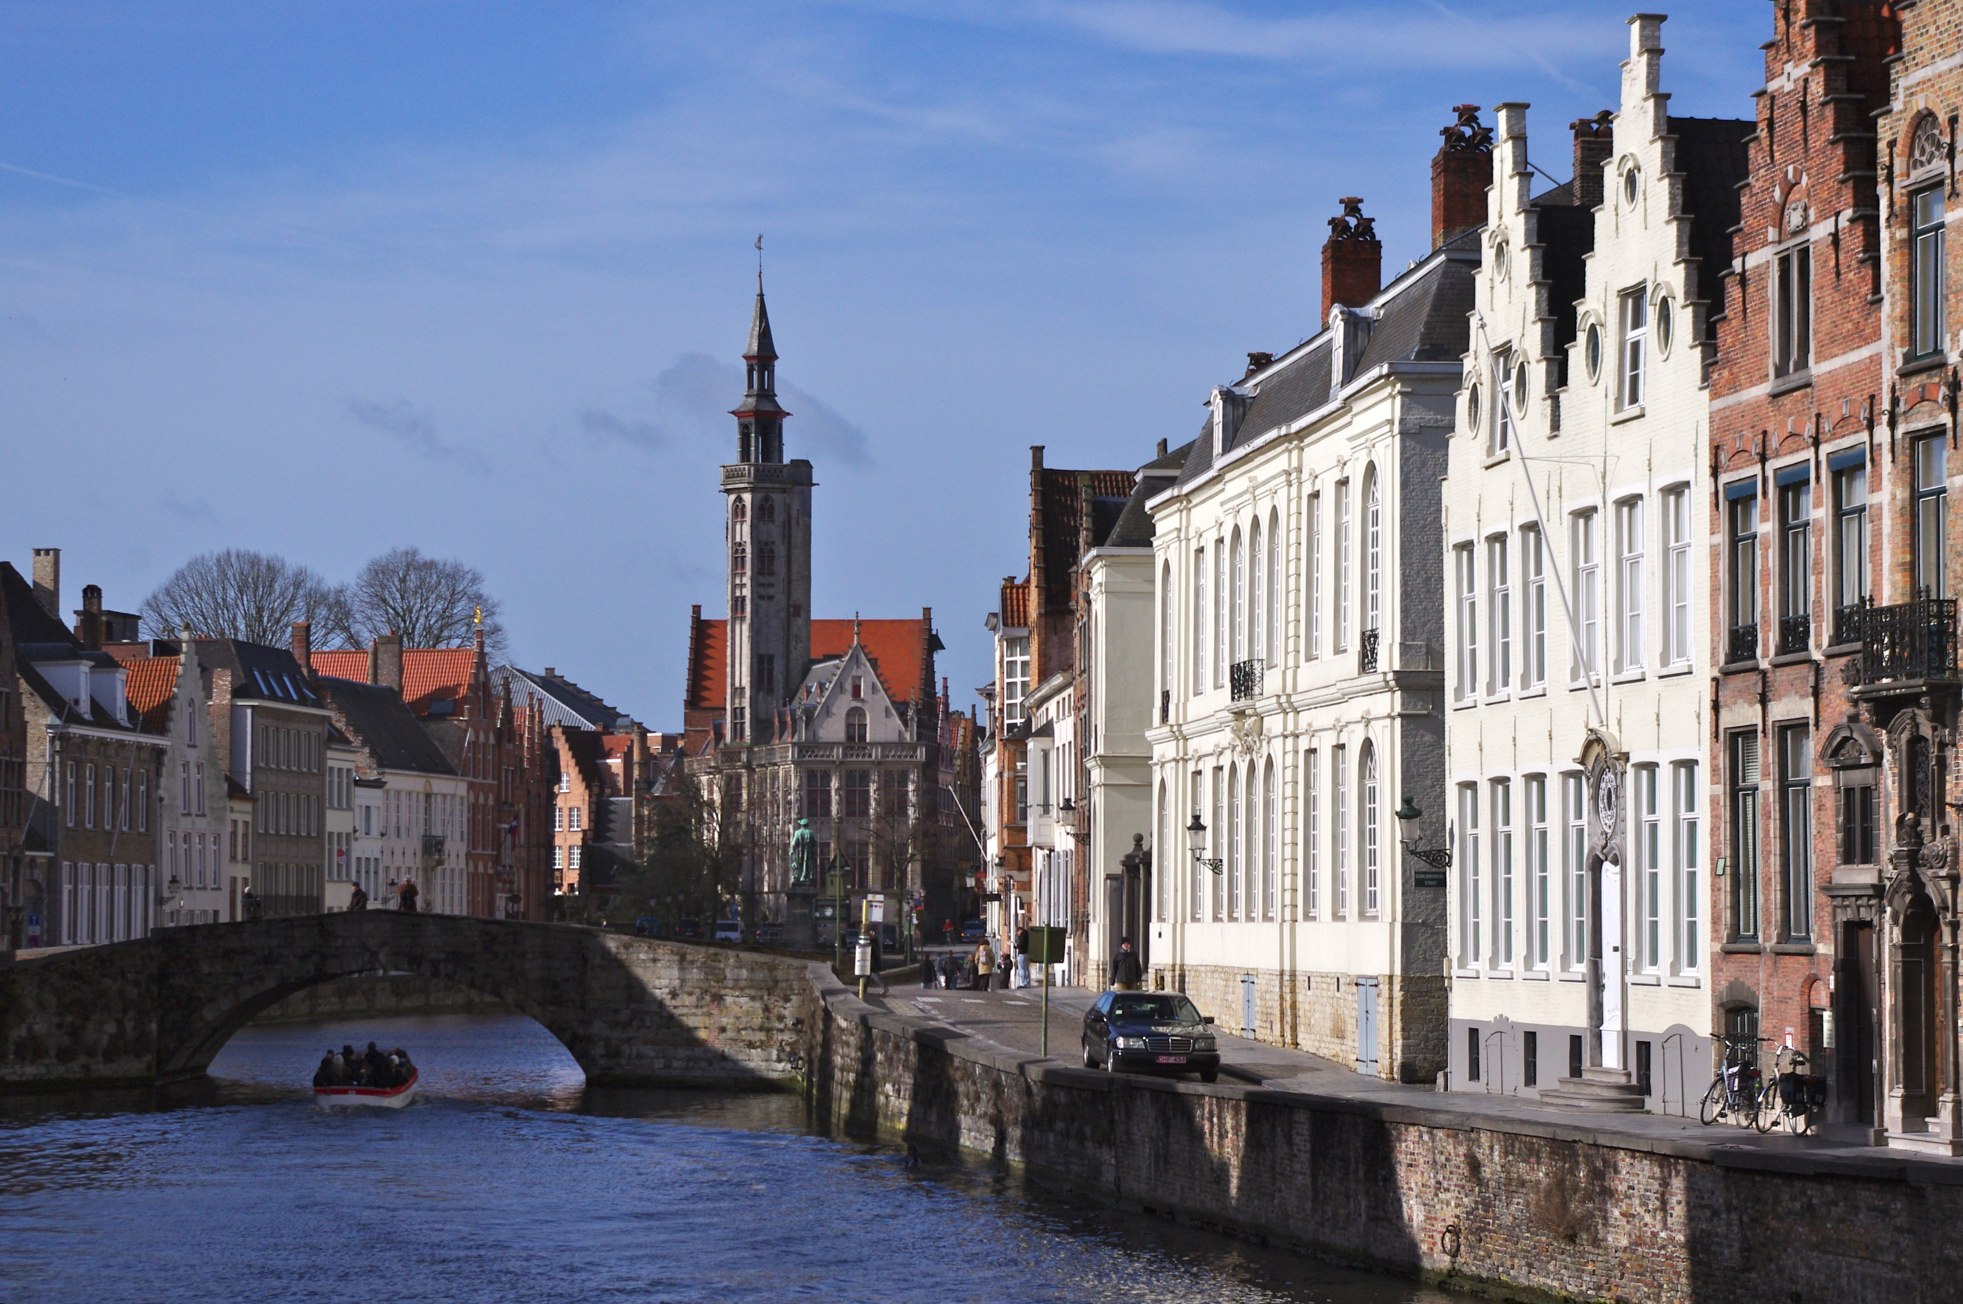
1793,1097
1737,1089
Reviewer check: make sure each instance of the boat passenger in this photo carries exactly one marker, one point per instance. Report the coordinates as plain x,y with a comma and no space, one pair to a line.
378,1066
325,1075
402,1058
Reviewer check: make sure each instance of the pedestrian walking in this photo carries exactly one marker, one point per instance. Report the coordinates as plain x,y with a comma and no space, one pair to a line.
405,897
1125,972
1022,956
357,900
984,964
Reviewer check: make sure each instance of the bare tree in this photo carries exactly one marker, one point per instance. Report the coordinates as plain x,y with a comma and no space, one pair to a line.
238,593
430,602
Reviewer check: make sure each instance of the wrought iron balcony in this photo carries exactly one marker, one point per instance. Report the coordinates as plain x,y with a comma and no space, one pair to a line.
1366,652
1743,644
1244,680
1847,622
432,845
1795,634
1909,641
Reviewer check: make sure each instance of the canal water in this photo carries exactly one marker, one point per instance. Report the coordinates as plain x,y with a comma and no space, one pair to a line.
508,1180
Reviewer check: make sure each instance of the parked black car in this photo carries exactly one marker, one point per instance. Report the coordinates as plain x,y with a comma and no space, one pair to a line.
1152,1032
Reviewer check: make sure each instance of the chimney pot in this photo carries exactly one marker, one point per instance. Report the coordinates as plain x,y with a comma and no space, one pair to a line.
1460,172
303,646
1352,260
385,661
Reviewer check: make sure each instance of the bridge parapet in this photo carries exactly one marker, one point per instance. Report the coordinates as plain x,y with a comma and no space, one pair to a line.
629,1009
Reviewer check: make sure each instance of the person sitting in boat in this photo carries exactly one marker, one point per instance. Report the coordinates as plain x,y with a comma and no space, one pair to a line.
350,1066
402,1059
329,1073
377,1065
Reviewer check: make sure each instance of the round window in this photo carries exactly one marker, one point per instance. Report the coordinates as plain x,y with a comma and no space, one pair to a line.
1473,406
1665,326
1591,351
1501,262
1519,387
1630,185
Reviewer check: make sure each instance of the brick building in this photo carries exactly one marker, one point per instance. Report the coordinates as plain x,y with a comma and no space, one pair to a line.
1805,501
788,717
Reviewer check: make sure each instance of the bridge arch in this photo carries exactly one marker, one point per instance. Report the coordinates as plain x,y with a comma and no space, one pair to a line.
628,1009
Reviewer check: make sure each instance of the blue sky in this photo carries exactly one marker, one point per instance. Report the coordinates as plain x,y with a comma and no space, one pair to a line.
325,280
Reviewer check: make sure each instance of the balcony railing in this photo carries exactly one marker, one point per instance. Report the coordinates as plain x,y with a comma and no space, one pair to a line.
1244,680
1366,652
1743,644
432,845
1795,634
1847,622
1909,640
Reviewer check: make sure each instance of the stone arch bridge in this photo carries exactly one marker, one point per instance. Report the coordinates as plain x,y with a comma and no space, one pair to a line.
629,1009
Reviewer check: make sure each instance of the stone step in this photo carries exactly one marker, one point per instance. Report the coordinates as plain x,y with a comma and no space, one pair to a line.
1598,1091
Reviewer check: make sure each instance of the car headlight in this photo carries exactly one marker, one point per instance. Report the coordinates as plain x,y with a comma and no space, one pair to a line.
1204,1043
1131,1043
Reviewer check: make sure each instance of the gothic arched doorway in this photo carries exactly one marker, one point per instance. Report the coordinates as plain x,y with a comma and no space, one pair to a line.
1916,1009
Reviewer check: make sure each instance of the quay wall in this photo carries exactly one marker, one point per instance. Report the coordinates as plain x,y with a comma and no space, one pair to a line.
1496,1206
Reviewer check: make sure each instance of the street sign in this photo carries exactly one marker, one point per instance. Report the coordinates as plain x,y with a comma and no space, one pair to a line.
876,908
1045,945
1427,878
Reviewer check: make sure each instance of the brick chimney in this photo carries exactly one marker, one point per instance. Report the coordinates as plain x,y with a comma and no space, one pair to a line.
1594,145
303,646
385,661
1352,259
47,580
1460,172
1256,361
88,622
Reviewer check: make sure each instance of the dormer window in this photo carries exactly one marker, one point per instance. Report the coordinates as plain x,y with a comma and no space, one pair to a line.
855,725
858,687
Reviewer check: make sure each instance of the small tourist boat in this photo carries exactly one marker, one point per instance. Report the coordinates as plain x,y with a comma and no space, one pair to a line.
375,1097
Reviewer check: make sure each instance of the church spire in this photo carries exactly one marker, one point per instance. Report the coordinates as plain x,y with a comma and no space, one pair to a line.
760,420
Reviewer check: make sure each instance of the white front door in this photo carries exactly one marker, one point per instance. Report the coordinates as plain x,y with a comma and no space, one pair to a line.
1613,965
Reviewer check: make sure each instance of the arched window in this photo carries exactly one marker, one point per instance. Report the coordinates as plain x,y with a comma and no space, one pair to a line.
766,559
739,509
1273,650
1251,862
1373,552
1165,636
855,725
1368,828
1237,600
1162,852
739,558
767,509
1236,843
1270,842
1257,618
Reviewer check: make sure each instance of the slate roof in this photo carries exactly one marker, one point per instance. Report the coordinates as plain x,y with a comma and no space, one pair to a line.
1422,316
1134,527
897,648
1712,154
259,672
561,700
380,721
40,637
433,678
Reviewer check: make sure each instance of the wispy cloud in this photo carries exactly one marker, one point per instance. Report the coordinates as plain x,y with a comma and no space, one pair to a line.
412,427
605,426
693,398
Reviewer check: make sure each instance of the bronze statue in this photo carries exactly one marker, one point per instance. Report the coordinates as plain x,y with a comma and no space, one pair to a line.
804,855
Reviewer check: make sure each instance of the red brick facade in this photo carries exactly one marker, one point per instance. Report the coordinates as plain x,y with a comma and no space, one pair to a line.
1802,520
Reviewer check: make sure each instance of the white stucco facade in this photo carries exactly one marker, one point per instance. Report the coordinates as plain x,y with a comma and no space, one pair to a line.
1576,608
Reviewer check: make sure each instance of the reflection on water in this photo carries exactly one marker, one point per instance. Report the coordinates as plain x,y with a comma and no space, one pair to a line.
508,1180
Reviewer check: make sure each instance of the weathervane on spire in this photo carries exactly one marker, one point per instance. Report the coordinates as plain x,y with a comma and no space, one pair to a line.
759,260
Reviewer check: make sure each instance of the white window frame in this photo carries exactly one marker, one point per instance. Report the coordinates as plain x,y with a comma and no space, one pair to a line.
1500,794
1539,885
1465,569
1472,921
1689,913
1629,651
1646,810
1342,569
1574,869
1675,509
1312,618
1533,570
1339,857
1499,617
1585,559
1632,316
1311,835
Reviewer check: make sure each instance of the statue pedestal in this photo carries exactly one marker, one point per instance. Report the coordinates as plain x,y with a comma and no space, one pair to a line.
800,930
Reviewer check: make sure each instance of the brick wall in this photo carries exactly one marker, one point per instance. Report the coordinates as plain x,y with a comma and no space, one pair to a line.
1469,1201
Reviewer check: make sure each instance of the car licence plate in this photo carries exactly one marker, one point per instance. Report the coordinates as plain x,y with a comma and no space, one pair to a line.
1171,1059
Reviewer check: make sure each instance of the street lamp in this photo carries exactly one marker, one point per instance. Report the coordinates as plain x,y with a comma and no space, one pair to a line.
1408,816
1196,843
173,898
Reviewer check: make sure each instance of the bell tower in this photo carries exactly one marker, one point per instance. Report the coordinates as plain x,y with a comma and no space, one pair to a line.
768,542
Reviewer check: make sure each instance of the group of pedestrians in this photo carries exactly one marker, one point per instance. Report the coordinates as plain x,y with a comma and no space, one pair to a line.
372,1068
981,969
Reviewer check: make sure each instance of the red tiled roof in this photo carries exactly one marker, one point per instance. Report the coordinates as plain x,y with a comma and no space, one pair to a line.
149,683
1015,604
429,674
898,649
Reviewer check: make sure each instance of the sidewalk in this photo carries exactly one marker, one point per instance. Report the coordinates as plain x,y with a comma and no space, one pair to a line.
1013,1021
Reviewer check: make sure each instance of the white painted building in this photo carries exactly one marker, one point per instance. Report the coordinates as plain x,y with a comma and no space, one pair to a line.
1298,644
1578,676
1054,766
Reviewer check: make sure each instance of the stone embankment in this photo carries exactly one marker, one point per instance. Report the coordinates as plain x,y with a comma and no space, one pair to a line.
1502,1206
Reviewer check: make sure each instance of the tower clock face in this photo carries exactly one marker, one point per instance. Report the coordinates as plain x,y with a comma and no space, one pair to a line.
1608,797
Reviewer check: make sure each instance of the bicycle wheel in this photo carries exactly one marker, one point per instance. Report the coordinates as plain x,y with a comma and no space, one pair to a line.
1759,1099
1771,1108
1798,1121
1712,1107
